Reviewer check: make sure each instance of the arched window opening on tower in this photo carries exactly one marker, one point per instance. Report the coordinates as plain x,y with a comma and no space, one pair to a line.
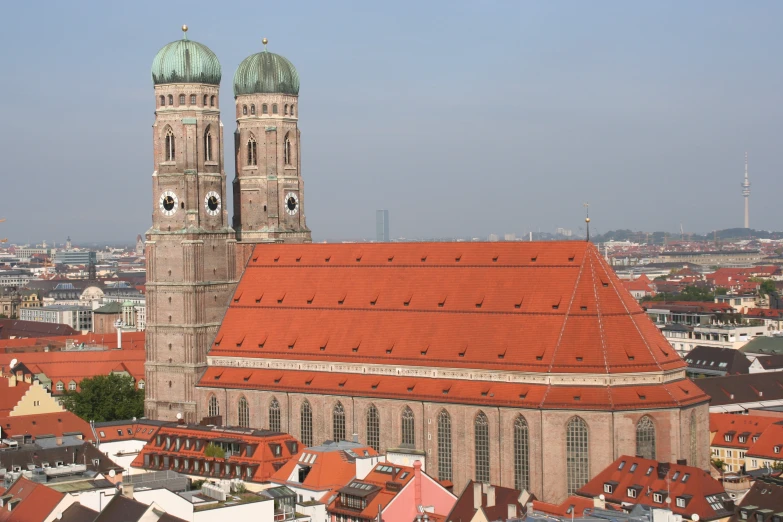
306,419
521,454
244,109
162,101
208,144
645,438
285,109
408,428
287,150
182,99
373,428
338,422
274,108
481,432
694,440
274,415
205,100
264,109
444,446
193,99
213,409
243,413
292,110
251,151
212,101
171,99
253,110
169,153
577,454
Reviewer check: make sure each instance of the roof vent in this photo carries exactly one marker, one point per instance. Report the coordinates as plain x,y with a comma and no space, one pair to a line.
375,385
425,350
518,304
298,259
464,351
495,258
327,258
391,258
423,258
503,354
277,258
458,258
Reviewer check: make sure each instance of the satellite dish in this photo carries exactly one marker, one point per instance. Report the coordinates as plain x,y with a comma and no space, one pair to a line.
695,517
601,497
13,362
112,473
179,416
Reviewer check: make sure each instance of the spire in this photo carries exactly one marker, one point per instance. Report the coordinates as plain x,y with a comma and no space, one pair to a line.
746,193
587,219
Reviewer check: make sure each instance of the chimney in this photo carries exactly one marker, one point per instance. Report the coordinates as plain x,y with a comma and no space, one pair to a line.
599,502
491,496
417,482
356,438
728,504
512,511
477,496
127,490
682,462
663,469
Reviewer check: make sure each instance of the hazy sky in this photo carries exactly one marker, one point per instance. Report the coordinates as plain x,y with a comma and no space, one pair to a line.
461,118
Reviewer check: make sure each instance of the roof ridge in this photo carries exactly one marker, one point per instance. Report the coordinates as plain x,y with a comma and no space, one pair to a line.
600,320
567,314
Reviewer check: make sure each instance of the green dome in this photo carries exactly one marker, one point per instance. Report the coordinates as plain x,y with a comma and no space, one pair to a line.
186,61
266,72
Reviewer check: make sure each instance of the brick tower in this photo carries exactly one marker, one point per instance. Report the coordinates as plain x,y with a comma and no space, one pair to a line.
190,249
268,187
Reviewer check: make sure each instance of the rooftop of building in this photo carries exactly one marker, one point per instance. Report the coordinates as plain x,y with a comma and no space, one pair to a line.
717,360
764,346
29,501
738,431
494,502
751,390
14,328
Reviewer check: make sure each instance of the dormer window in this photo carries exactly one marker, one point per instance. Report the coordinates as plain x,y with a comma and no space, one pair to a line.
631,492
657,498
633,467
743,438
681,502
776,449
608,488
727,437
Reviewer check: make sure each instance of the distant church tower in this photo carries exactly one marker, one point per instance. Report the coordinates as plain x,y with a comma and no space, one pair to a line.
268,187
746,193
190,249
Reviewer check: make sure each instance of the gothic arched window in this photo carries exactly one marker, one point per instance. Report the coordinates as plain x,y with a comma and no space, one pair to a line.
408,428
521,454
373,428
274,415
274,108
264,109
338,422
208,144
444,445
645,438
169,152
292,110
243,413
252,109
577,454
182,99
162,101
252,159
306,419
694,440
212,101
287,150
171,99
244,109
214,408
205,100
481,432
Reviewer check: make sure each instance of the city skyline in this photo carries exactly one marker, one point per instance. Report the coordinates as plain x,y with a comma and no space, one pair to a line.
615,124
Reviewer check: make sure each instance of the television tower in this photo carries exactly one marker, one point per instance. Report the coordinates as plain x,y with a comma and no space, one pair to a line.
746,192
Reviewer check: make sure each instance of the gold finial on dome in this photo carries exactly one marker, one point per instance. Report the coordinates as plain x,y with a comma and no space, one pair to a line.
587,220
184,32
264,41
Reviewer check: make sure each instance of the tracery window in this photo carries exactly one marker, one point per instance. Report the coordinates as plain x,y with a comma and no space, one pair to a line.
373,428
338,422
287,150
244,109
521,454
252,159
243,413
408,427
169,153
444,446
274,415
208,144
214,408
577,456
306,419
645,438
481,432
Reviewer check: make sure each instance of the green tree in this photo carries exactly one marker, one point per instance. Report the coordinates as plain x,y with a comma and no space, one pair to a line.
767,287
214,451
719,290
719,464
106,398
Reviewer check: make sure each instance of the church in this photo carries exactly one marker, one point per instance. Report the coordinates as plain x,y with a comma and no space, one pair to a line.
523,364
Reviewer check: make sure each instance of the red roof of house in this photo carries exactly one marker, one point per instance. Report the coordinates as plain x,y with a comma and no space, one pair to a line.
740,429
763,313
130,341
647,477
37,501
262,463
572,505
637,285
442,305
400,475
11,395
770,440
57,424
130,430
464,508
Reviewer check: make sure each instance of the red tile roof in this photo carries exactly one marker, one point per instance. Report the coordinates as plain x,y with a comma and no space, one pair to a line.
388,484
647,477
37,501
114,431
573,505
464,507
130,341
442,305
679,393
11,395
737,427
770,440
57,424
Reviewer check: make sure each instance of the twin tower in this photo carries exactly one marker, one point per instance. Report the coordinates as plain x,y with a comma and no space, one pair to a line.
194,256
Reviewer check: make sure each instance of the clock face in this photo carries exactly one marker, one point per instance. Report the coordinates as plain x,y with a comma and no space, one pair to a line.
212,203
291,203
168,203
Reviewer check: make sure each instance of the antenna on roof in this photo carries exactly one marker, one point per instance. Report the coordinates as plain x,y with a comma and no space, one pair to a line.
587,219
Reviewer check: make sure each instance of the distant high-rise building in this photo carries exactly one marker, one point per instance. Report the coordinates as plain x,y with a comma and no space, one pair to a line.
382,225
746,193
510,237
493,237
